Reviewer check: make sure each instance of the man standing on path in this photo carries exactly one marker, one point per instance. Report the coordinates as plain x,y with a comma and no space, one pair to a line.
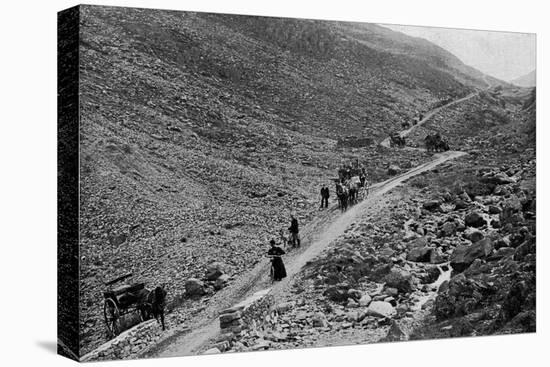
324,197
294,231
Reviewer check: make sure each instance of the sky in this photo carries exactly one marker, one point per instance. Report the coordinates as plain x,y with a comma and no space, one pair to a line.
504,55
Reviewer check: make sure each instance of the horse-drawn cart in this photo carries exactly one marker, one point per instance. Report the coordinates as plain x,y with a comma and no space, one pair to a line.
122,302
397,140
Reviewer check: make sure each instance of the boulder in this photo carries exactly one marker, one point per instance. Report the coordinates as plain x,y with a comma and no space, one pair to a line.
526,248
285,306
355,294
194,287
221,281
319,320
473,235
419,242
337,293
393,170
229,318
504,252
365,300
436,256
457,297
431,205
448,229
463,256
497,179
214,270
431,275
380,309
419,254
474,219
400,279
392,292
493,209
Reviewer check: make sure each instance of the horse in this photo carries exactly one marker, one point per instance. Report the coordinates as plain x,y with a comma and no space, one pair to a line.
152,305
342,194
434,143
353,190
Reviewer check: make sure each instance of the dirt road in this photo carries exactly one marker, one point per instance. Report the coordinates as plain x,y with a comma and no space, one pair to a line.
315,237
386,142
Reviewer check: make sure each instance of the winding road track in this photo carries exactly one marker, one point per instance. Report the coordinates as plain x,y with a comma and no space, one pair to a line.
316,237
404,133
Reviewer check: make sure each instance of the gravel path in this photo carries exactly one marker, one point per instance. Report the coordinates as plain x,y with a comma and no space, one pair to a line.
315,237
386,142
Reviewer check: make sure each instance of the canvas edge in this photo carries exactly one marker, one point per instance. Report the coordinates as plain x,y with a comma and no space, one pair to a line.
68,339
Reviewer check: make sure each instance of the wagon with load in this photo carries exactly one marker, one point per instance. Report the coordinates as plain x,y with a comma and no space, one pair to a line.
127,304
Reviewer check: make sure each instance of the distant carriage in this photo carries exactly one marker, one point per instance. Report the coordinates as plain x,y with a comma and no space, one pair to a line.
435,143
397,140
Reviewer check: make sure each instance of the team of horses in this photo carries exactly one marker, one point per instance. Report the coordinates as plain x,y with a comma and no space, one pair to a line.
351,191
435,143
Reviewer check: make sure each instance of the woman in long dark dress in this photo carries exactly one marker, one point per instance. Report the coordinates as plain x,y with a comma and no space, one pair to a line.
275,252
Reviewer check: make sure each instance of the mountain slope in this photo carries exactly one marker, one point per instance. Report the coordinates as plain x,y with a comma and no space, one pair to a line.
200,133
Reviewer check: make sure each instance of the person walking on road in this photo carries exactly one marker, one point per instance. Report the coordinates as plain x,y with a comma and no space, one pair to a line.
294,231
278,271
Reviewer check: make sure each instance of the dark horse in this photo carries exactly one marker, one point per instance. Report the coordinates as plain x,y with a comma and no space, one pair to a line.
342,195
152,304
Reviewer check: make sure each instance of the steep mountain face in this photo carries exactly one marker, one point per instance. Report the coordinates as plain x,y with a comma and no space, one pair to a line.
528,80
200,133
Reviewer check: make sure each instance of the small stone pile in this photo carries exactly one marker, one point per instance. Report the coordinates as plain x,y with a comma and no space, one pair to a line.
231,320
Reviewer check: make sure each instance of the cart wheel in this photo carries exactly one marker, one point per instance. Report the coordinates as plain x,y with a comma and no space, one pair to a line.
112,317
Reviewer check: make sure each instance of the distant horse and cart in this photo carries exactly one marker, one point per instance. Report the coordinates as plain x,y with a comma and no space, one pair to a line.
435,143
351,186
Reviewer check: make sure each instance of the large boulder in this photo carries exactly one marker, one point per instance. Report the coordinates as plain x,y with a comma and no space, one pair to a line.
399,279
431,205
497,179
214,270
420,254
194,287
365,300
473,234
463,256
431,275
380,309
526,248
457,297
474,219
393,170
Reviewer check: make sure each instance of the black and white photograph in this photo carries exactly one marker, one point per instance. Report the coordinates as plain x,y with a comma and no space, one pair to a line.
252,183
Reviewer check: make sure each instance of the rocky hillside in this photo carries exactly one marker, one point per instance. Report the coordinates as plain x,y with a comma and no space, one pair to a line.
200,133
451,253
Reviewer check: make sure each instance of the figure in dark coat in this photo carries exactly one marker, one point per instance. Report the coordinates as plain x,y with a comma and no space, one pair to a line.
277,265
294,232
325,194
